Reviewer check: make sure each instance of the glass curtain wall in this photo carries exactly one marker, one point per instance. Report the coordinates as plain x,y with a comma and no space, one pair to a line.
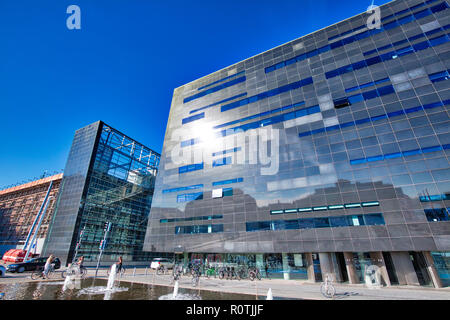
120,191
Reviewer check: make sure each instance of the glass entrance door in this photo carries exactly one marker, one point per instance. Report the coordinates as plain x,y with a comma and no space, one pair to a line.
420,266
317,269
341,264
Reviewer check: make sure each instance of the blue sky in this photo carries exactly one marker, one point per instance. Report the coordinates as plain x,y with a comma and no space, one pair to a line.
124,63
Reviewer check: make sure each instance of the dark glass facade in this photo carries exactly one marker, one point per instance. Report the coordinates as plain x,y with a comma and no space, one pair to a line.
108,178
358,130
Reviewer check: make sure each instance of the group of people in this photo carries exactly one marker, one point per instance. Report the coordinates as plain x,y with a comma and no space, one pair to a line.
50,263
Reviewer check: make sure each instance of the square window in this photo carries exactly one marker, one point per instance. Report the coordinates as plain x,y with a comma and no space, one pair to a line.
439,40
341,103
421,46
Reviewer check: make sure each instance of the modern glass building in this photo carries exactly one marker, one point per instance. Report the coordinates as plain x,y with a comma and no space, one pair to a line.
108,177
328,154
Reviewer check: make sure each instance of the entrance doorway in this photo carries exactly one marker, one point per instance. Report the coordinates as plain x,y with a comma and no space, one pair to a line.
317,269
390,268
420,266
341,264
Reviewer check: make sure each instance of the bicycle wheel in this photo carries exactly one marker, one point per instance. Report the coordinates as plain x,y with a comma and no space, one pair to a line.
51,274
251,276
36,275
327,291
331,291
258,276
195,280
160,271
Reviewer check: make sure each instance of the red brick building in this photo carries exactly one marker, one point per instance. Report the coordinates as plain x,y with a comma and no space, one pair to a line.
19,207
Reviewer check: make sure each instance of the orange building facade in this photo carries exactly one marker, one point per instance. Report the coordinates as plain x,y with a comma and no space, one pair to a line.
19,207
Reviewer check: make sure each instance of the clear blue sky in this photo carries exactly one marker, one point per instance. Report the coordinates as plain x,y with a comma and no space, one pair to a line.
124,63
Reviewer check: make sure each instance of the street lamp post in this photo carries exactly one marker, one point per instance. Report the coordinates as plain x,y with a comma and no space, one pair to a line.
103,244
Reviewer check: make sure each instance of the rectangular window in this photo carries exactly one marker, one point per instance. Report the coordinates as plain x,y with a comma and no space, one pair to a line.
257,226
267,94
218,81
373,219
189,197
215,154
230,181
437,214
306,223
438,197
321,223
218,102
214,228
439,76
217,193
385,90
275,212
215,89
191,167
193,118
291,225
341,103
189,142
336,207
214,217
440,7
356,220
370,204
337,222
353,205
355,99
227,192
222,162
197,186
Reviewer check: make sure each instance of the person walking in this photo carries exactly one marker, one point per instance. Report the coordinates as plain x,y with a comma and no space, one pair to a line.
119,264
266,268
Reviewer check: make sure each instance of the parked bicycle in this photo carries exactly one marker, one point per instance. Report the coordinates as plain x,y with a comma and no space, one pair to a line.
253,273
210,272
231,274
222,272
242,272
196,273
326,288
196,269
75,270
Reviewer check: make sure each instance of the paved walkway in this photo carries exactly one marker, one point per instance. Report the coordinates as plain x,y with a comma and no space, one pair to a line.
291,289
295,289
